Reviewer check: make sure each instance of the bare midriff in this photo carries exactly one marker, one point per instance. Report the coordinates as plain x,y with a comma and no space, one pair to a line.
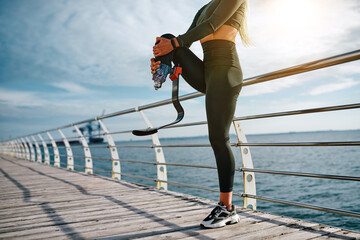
225,32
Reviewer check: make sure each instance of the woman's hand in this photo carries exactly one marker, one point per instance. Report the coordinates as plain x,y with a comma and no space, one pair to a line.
154,65
163,47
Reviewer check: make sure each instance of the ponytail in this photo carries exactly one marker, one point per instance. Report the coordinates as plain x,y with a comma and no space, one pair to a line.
243,30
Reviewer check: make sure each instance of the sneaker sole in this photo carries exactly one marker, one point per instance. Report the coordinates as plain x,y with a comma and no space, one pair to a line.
233,220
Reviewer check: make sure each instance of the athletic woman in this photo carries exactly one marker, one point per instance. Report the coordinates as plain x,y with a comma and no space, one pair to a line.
219,76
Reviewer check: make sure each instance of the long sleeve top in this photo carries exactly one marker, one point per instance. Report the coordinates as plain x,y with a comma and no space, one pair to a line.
211,17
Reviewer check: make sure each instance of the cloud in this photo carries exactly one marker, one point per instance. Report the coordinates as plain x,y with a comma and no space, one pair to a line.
72,87
271,87
328,88
103,43
36,104
20,98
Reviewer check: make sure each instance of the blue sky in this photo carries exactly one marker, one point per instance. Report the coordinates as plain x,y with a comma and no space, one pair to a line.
66,61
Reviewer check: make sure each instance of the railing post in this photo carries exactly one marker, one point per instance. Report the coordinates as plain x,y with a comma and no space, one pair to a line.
20,148
248,177
28,157
159,154
116,168
55,150
3,147
69,154
14,151
6,146
46,150
31,149
87,153
38,151
11,148
17,152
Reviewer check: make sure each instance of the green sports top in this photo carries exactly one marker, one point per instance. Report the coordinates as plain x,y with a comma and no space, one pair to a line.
211,17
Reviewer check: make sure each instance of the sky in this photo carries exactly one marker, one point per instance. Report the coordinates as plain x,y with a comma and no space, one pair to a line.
65,61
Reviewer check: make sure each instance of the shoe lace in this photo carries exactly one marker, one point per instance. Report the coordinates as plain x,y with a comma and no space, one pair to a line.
217,210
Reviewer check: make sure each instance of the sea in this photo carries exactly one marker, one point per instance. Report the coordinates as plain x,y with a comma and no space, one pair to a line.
333,160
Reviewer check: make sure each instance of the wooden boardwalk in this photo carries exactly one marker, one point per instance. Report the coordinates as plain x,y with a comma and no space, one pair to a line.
44,202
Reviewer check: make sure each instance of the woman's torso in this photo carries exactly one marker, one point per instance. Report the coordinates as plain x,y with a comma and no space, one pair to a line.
229,30
225,32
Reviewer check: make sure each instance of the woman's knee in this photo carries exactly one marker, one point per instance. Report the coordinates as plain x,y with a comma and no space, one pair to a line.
182,54
218,140
193,68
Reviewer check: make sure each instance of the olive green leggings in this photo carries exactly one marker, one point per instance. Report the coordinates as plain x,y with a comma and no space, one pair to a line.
219,76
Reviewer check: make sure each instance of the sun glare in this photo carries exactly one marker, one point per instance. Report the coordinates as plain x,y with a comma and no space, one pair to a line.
294,24
295,13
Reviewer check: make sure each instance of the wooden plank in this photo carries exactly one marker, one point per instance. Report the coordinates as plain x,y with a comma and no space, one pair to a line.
309,232
97,227
96,214
69,203
285,227
342,234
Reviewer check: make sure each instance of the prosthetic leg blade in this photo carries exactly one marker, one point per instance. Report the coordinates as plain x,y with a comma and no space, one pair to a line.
175,102
145,132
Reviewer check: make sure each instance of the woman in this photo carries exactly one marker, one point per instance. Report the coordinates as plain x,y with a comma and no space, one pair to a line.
219,76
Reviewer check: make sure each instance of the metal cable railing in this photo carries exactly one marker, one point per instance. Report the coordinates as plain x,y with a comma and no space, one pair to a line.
269,115
303,205
313,175
252,117
22,147
274,144
288,173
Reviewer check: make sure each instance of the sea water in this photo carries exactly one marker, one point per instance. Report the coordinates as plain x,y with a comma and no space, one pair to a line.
334,160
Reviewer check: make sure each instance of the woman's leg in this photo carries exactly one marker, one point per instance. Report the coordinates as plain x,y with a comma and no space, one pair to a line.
192,68
223,87
226,199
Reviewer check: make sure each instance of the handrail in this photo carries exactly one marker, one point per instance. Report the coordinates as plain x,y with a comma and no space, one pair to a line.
306,67
292,144
279,114
288,144
251,117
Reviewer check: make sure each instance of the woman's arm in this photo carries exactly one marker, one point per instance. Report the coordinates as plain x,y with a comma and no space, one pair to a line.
222,13
165,46
193,24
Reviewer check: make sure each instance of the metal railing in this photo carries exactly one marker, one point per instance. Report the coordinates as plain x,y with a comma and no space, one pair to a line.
32,149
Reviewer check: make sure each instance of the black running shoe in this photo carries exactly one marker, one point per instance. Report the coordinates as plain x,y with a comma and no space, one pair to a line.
220,216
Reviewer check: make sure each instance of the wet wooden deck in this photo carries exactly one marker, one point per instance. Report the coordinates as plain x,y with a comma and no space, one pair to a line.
44,202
